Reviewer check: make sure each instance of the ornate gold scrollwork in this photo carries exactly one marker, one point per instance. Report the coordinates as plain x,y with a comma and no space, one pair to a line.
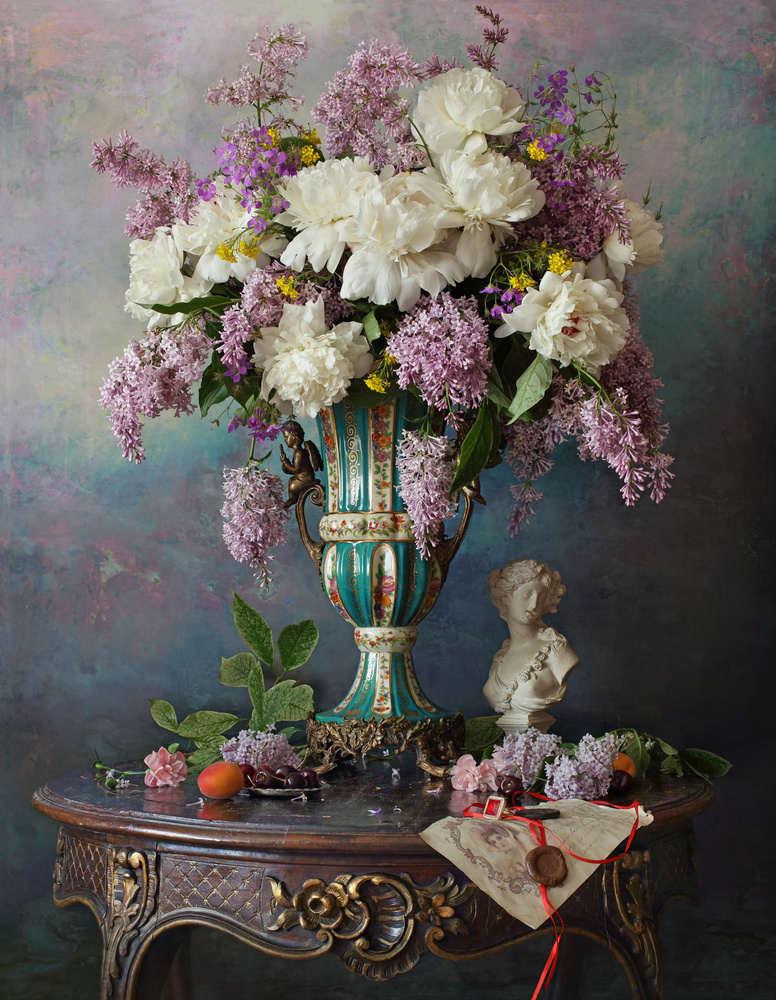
132,884
372,921
629,879
432,739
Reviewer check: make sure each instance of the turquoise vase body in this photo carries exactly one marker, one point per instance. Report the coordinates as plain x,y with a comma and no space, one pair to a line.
370,567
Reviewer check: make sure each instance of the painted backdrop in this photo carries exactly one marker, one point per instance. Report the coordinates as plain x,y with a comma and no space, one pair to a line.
116,587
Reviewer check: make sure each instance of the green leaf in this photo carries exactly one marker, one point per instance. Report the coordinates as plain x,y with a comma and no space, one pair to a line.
256,692
705,763
531,387
672,765
163,714
236,670
495,392
173,747
667,749
288,701
638,753
372,330
207,753
254,630
212,388
481,733
360,395
200,725
476,449
296,643
213,303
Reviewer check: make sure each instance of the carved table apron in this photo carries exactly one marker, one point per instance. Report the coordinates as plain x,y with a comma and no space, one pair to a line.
344,872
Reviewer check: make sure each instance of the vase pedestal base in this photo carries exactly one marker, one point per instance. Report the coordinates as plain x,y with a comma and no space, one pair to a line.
433,740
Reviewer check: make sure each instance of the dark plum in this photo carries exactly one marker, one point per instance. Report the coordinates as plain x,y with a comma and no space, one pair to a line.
621,783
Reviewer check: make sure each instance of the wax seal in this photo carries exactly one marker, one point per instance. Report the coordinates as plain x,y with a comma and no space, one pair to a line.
546,865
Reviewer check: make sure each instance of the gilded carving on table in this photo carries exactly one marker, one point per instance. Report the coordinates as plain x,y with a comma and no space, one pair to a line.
373,921
132,884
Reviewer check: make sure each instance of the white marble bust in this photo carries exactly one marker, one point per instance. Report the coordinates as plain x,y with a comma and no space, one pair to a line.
529,672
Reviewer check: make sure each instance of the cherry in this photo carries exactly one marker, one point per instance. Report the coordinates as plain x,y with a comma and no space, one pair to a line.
510,784
249,773
295,780
282,771
310,776
621,782
264,778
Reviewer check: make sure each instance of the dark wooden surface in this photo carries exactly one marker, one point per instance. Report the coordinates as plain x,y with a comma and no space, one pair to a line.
149,861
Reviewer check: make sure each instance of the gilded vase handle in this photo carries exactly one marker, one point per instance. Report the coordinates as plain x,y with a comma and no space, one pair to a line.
317,495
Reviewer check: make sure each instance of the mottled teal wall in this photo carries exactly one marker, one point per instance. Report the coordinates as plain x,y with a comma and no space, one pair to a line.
115,584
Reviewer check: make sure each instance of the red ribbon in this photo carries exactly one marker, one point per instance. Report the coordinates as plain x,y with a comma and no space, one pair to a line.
539,832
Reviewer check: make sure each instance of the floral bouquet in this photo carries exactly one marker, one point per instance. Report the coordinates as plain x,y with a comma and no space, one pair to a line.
451,236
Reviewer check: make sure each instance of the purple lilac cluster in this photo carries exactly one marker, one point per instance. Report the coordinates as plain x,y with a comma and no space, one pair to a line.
267,748
441,347
154,374
580,211
256,176
524,754
426,467
260,430
362,111
278,53
254,517
167,188
586,775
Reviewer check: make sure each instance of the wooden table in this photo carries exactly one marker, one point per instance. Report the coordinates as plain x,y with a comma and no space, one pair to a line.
344,872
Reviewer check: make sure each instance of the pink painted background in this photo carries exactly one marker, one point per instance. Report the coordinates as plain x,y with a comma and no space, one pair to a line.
115,586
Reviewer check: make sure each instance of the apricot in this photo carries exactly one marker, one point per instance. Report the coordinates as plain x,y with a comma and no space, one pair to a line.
221,780
622,762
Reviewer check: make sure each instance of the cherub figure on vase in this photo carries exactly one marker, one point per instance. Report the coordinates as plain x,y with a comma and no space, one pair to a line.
529,672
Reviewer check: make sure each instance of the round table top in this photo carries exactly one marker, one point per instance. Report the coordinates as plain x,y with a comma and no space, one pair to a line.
375,803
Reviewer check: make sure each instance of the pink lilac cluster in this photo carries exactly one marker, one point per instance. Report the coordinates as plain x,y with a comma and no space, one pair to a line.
467,775
524,753
362,111
165,768
278,53
267,748
580,210
426,467
254,517
167,188
154,374
441,347
586,775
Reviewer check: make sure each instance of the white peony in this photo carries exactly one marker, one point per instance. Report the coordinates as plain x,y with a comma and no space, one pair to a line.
485,194
319,197
155,276
640,251
393,238
309,365
222,223
571,319
463,106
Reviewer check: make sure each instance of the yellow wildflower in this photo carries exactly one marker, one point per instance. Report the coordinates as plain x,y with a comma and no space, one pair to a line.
535,151
286,286
312,136
310,155
249,248
521,281
560,261
225,252
375,382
